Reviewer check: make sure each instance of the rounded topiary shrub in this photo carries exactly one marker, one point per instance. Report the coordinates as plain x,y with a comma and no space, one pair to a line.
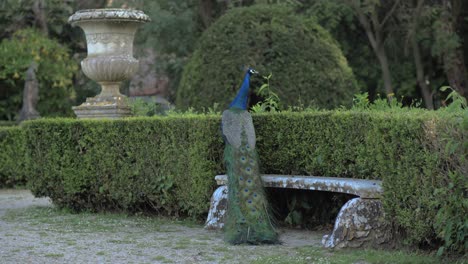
306,64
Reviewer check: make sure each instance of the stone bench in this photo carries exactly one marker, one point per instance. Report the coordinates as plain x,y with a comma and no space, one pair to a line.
360,221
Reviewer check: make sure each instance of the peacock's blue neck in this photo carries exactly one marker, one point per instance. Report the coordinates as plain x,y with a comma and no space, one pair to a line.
240,102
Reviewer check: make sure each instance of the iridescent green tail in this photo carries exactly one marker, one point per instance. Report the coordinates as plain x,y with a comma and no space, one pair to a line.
248,219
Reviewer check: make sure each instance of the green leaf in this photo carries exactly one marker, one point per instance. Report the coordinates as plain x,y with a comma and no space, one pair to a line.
440,251
445,88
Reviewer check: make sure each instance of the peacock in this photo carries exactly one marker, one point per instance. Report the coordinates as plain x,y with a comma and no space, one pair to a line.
248,218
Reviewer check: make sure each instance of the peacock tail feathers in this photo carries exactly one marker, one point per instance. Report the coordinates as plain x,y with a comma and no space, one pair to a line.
248,218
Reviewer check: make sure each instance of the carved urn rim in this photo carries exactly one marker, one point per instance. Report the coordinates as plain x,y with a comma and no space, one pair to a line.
109,14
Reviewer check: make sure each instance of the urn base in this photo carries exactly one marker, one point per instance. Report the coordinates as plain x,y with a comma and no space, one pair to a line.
103,107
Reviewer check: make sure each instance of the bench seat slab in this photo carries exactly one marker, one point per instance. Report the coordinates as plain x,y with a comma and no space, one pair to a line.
371,189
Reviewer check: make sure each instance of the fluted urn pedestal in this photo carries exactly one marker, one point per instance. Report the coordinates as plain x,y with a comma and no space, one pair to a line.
109,37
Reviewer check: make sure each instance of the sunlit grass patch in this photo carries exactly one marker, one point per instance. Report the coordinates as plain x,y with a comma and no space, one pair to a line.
60,220
345,256
54,255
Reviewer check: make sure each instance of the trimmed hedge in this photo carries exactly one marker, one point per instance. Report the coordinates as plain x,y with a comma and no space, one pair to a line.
306,63
138,164
405,149
168,164
12,160
6,123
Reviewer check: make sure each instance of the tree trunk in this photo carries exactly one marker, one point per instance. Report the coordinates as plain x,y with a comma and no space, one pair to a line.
425,90
454,63
206,12
374,34
40,16
386,75
455,70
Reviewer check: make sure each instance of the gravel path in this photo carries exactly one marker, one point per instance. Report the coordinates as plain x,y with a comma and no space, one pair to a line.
32,231
14,199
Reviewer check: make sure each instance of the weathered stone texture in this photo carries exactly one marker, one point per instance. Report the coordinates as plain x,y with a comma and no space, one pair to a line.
148,81
358,187
360,223
30,94
218,209
109,36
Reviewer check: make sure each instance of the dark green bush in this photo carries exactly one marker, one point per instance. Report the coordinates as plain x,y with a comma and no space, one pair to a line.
168,164
307,65
163,164
5,123
12,159
451,223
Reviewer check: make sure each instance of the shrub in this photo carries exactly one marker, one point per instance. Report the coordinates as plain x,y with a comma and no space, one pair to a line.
162,164
12,159
451,224
306,64
169,163
5,123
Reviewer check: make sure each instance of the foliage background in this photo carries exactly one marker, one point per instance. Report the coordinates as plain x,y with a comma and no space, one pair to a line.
440,33
307,65
54,73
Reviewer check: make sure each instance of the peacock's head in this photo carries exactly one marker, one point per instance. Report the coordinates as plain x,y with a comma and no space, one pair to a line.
252,71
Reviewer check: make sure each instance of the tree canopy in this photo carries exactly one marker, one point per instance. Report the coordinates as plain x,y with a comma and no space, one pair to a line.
400,49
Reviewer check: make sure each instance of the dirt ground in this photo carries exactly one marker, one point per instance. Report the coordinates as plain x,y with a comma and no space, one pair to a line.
31,231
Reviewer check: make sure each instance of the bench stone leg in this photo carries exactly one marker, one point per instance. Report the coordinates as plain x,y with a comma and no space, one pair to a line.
218,207
360,223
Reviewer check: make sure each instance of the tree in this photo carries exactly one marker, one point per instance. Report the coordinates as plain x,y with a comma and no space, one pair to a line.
339,19
36,22
40,18
54,73
374,16
448,44
429,26
411,16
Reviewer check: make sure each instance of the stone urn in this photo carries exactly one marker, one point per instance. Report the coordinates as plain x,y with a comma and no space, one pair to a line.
109,37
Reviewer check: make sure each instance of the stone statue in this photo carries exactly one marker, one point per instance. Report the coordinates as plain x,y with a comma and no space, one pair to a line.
30,94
